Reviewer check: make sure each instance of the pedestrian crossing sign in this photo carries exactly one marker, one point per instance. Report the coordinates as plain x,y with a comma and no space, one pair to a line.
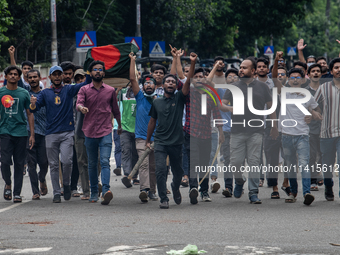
157,48
291,51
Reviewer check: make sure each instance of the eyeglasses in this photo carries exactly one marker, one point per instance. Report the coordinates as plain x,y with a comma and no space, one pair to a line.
232,77
148,83
97,69
281,74
293,78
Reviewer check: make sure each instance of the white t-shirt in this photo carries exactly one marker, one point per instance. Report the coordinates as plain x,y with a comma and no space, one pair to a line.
294,113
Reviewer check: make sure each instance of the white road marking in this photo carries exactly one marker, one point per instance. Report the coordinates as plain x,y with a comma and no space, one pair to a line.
127,250
27,250
13,206
250,250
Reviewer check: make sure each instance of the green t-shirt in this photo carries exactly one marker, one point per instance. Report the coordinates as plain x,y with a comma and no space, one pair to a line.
129,105
12,120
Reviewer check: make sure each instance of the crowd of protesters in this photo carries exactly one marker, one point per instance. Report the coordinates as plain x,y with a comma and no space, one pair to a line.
71,126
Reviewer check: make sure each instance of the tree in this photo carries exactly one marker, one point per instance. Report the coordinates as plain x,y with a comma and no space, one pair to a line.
5,21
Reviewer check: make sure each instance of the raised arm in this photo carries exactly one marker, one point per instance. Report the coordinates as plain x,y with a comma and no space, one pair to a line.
213,71
133,80
179,64
277,83
11,51
186,86
174,60
300,47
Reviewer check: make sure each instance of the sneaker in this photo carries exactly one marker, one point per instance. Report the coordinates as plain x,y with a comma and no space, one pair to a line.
309,198
93,198
56,198
226,192
152,195
143,196
238,190
176,194
193,194
107,198
255,200
126,182
205,196
215,186
117,171
164,205
67,192
329,195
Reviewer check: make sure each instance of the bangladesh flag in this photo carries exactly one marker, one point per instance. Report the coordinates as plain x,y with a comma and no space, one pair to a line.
115,57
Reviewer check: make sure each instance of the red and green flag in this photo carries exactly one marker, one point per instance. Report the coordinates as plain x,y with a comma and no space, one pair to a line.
115,57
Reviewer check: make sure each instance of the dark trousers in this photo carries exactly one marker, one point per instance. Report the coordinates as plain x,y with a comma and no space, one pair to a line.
75,170
272,153
37,155
314,156
228,175
175,155
16,147
198,151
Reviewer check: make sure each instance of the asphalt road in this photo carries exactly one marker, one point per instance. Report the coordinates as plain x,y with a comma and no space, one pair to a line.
223,226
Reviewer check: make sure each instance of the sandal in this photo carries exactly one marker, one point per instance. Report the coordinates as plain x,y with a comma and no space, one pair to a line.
36,197
43,188
286,190
290,199
7,194
275,195
185,182
320,183
17,199
85,197
313,187
168,191
135,182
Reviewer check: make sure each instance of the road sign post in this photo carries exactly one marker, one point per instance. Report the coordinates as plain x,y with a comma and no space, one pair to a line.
85,40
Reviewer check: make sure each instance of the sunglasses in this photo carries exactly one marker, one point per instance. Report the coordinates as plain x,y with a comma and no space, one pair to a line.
97,69
295,78
281,74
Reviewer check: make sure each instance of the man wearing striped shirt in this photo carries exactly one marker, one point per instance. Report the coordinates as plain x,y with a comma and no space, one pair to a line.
329,94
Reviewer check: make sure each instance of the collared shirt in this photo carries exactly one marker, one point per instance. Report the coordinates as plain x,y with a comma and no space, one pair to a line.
39,118
261,96
329,95
168,111
101,103
293,123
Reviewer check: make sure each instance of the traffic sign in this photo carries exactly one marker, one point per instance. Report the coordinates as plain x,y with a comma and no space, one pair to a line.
157,48
85,40
268,50
135,40
291,51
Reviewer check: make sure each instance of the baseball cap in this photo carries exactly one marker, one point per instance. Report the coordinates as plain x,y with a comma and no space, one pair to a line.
55,68
80,71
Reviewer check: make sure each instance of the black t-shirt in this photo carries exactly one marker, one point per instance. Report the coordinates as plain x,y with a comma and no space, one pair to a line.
169,113
261,95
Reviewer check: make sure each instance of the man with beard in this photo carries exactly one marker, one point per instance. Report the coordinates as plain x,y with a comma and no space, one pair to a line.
13,132
246,139
97,101
282,74
144,99
158,72
37,155
303,66
326,75
314,73
328,93
168,111
58,101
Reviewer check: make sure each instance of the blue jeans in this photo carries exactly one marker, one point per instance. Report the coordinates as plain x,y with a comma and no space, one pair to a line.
297,144
104,144
329,146
118,150
214,144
